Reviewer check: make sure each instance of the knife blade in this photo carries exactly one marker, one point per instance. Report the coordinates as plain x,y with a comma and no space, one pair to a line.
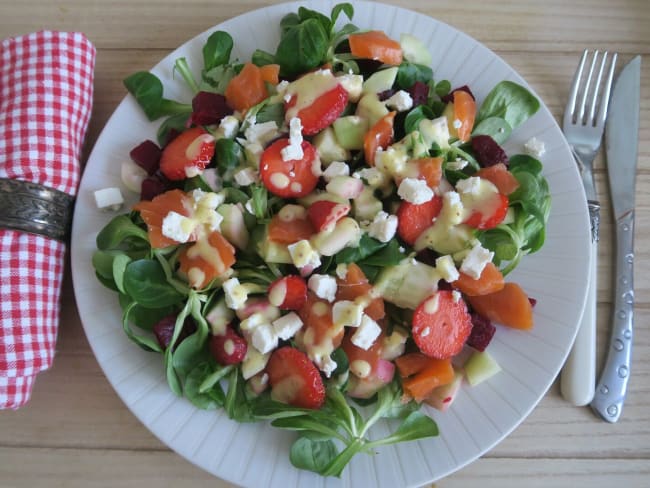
621,146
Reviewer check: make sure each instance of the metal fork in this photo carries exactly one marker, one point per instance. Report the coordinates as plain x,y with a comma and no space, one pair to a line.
583,125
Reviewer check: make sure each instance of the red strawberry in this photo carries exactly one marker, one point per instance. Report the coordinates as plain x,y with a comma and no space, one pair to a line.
188,153
324,214
413,219
228,348
294,379
322,112
288,292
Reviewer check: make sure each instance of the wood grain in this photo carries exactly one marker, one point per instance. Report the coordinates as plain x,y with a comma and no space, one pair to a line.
76,432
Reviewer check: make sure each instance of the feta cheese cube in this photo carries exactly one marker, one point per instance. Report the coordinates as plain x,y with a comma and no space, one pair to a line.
447,268
341,270
246,177
294,149
373,176
346,313
286,326
229,126
264,338
457,164
324,286
471,185
535,148
353,84
366,333
383,227
262,133
109,199
475,261
252,322
177,227
326,364
282,87
235,294
253,363
400,101
414,191
303,255
336,168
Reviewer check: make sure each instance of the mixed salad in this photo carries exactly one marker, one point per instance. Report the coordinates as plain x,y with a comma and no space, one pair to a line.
323,234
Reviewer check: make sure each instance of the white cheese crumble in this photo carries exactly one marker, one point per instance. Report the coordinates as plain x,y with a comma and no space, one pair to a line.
346,313
447,268
132,175
229,126
109,199
303,255
475,261
262,133
235,294
353,84
534,147
336,168
177,227
341,270
400,101
471,185
452,208
373,176
294,149
246,177
457,164
366,334
264,338
414,191
383,227
286,326
324,286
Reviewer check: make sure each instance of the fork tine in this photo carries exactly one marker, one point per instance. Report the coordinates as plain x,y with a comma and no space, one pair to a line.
602,113
575,84
594,98
585,93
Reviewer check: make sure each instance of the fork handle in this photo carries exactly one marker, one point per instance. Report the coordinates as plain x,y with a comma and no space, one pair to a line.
612,386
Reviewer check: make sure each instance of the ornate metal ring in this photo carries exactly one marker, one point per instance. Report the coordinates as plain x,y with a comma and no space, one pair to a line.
34,208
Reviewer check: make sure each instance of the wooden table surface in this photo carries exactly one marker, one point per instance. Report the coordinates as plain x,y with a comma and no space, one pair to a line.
76,432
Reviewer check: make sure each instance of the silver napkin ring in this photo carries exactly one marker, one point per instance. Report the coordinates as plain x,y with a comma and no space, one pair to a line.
34,208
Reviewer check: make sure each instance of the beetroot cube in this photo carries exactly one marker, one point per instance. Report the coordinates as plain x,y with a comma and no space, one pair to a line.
147,156
488,152
419,93
482,332
209,108
385,95
164,330
449,97
151,187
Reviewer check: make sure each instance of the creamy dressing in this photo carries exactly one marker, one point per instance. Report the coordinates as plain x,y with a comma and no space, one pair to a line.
306,89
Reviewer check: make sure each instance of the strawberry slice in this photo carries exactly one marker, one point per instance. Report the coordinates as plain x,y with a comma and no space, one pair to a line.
228,348
492,211
322,112
324,214
294,178
288,292
188,154
413,219
441,325
294,379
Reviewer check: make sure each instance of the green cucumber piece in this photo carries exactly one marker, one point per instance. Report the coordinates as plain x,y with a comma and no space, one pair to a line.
479,367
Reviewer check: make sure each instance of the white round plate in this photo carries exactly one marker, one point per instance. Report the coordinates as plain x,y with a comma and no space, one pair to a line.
257,454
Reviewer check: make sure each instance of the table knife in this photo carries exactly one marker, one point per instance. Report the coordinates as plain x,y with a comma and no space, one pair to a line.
621,144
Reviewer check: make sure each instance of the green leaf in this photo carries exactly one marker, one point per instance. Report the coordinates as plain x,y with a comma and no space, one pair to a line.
307,14
206,400
119,230
103,263
147,343
415,116
120,263
217,49
262,58
409,73
389,255
148,92
227,154
144,318
509,101
184,69
416,426
495,127
312,455
341,360
146,283
442,88
216,80
367,246
346,8
302,48
175,123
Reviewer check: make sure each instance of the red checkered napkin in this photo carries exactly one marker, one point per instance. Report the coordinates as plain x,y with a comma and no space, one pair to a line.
46,84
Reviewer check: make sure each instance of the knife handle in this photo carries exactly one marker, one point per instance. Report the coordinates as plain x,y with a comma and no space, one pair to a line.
612,386
578,378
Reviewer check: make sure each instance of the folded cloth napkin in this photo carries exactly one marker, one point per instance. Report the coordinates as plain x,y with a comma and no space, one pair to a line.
46,85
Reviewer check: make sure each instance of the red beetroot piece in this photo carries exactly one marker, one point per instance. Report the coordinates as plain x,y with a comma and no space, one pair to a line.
228,348
164,330
147,156
209,108
288,292
449,97
152,186
482,332
488,152
419,93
